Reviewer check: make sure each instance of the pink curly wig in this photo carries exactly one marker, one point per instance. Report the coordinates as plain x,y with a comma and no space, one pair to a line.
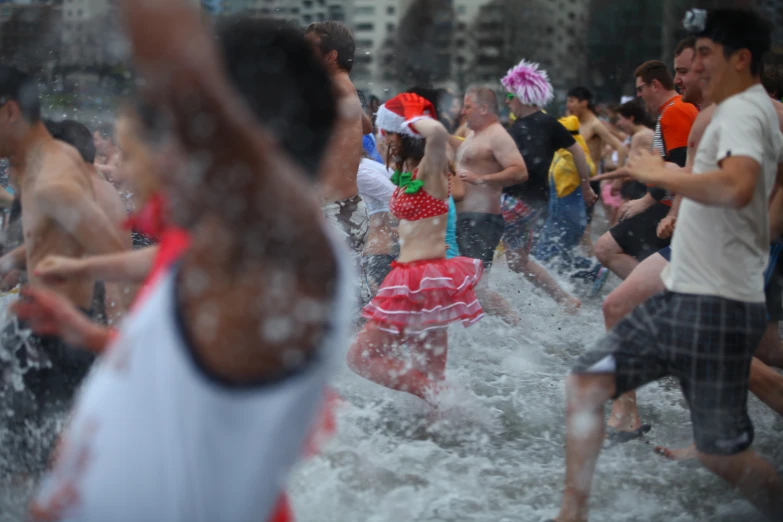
529,83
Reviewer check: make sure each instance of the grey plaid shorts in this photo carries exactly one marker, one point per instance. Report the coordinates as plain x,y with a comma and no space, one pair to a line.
705,342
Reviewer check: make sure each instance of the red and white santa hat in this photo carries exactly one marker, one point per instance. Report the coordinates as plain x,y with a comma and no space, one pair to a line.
399,113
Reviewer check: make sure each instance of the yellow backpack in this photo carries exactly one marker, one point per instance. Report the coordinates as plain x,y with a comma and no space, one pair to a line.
563,168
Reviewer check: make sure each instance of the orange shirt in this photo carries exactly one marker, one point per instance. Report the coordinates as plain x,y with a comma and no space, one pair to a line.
675,120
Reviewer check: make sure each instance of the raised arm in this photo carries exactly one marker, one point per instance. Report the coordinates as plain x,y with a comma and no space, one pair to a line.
177,56
435,161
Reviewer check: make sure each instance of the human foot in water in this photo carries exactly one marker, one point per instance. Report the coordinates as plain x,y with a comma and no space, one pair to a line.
688,453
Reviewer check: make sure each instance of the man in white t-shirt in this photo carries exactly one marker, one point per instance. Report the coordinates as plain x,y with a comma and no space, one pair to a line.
704,329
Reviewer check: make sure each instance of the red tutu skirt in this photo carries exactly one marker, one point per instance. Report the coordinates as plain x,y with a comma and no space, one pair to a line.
423,295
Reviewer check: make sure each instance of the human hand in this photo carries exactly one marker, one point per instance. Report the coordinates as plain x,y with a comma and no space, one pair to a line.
646,166
588,194
468,177
50,314
631,209
57,269
666,227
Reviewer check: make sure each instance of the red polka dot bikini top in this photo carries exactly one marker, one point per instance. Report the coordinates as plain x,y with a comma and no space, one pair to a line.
411,202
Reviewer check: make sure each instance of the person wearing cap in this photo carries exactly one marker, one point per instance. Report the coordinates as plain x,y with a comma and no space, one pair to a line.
404,344
704,329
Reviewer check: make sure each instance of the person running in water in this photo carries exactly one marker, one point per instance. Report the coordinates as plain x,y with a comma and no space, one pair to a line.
334,46
635,238
60,216
704,329
537,136
425,292
644,280
265,273
487,162
598,136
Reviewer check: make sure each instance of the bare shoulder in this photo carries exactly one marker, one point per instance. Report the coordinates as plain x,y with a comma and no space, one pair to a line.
344,88
60,169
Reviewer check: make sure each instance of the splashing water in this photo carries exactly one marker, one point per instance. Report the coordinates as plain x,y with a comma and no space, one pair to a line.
495,451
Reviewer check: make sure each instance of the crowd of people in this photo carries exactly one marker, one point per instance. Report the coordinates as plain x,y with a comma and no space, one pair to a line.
187,284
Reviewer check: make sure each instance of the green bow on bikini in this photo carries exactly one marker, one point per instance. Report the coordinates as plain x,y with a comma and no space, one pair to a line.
405,180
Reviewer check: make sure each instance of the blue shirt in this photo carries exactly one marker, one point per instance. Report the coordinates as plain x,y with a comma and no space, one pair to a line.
371,148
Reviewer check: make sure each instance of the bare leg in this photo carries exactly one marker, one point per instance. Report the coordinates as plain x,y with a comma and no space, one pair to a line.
587,242
519,261
374,356
612,257
753,476
586,396
495,304
641,284
765,383
770,350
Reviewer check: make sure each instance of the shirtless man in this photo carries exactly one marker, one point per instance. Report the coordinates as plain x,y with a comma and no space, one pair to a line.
631,117
60,216
334,46
487,161
598,137
78,136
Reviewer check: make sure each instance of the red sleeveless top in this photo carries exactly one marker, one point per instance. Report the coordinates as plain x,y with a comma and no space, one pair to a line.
411,202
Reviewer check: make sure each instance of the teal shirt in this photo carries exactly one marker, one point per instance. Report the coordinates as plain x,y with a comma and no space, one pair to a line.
452,250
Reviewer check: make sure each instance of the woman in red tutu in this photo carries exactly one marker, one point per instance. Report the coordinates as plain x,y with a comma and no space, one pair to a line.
403,346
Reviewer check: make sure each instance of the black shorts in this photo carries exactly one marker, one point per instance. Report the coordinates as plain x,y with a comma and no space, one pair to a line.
773,283
705,342
478,235
596,186
638,236
633,190
40,377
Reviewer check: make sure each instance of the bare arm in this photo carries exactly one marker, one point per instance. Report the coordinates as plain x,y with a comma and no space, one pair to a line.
15,259
580,160
435,161
731,186
366,124
610,139
126,267
509,158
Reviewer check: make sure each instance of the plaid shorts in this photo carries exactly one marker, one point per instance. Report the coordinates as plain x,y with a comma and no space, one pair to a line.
707,343
520,219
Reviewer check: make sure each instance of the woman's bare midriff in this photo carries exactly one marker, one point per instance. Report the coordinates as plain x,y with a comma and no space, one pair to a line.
423,239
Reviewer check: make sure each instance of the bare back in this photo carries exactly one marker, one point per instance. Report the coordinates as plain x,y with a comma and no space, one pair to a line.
477,155
44,235
595,144
341,160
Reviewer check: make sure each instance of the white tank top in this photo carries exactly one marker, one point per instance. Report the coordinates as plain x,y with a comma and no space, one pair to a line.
154,437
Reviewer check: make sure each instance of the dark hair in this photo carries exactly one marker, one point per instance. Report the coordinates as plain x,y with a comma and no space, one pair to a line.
275,71
410,149
21,88
583,94
634,110
75,134
772,80
335,37
689,42
655,70
737,29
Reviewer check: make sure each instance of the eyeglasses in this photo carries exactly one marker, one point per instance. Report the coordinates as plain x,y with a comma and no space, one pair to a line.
639,88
